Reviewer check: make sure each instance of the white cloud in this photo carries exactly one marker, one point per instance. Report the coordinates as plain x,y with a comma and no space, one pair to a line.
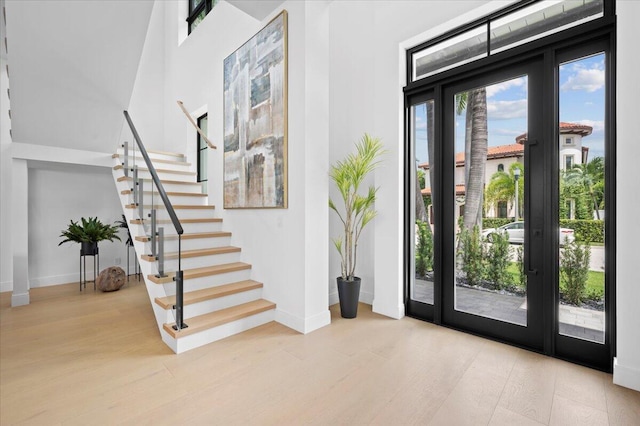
507,132
494,89
585,79
504,110
598,126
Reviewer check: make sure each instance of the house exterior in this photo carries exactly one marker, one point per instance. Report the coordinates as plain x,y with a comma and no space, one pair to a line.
501,157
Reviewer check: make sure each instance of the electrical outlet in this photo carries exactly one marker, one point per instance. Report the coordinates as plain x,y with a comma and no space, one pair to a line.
117,261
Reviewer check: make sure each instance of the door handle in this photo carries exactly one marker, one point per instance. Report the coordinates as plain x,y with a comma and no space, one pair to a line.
532,272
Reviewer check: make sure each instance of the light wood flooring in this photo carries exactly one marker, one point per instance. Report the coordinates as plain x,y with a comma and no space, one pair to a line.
96,358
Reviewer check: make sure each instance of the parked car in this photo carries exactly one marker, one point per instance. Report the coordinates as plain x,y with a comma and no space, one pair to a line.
515,231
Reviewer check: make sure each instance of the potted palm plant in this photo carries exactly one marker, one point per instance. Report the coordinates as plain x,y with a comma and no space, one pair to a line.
88,234
357,211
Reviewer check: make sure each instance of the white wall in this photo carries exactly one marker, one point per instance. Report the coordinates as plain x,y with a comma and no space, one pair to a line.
57,194
366,80
147,104
6,270
288,248
627,363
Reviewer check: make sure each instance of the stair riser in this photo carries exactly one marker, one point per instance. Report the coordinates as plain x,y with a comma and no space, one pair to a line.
167,176
193,244
201,261
202,227
208,336
166,166
161,213
175,199
213,305
152,155
172,187
209,281
192,227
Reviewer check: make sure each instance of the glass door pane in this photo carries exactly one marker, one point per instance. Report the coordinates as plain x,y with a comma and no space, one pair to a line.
581,191
422,135
490,133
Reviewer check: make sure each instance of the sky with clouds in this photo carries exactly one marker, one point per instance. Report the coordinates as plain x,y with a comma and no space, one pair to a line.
582,100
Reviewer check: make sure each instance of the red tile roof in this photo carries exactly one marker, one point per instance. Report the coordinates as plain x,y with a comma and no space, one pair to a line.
459,190
565,129
501,151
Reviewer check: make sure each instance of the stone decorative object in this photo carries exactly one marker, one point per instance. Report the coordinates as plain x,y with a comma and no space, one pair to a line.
111,279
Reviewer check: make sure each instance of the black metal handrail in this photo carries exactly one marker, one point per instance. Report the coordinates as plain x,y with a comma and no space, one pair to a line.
179,277
154,176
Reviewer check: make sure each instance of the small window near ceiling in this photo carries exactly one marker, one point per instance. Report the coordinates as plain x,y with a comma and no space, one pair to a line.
198,9
568,141
501,167
202,152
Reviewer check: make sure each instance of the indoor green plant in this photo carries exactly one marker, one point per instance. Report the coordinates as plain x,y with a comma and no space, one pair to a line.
358,210
88,234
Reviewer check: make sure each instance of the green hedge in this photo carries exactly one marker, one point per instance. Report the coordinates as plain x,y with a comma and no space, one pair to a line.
495,222
586,231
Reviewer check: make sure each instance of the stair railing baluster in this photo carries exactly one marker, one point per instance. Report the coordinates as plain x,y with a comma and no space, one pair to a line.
125,164
141,198
161,253
153,234
135,185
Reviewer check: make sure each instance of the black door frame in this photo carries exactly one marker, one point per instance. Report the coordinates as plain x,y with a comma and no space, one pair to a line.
591,36
531,335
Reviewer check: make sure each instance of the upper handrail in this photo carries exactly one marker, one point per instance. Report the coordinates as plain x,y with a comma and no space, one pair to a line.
198,129
163,195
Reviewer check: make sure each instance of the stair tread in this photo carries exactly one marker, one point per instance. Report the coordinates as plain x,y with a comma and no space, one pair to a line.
144,169
223,316
175,206
175,194
202,272
209,293
167,181
202,220
195,253
191,236
158,160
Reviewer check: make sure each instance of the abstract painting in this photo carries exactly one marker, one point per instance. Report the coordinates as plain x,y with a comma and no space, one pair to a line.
255,120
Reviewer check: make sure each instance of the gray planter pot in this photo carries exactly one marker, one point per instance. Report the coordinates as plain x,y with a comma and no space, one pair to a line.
349,294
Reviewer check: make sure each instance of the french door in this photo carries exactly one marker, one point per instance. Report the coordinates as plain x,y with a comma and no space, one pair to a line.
508,200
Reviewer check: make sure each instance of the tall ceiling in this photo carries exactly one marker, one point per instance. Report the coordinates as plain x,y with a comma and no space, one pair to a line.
72,68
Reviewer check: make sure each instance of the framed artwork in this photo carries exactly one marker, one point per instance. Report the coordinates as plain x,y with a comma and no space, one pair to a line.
255,120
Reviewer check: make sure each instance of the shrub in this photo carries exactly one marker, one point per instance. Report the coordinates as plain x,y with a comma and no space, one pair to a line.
495,222
498,261
424,249
586,231
471,253
522,275
574,271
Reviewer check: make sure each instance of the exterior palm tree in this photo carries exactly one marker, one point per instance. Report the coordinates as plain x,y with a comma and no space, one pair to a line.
476,160
591,177
501,187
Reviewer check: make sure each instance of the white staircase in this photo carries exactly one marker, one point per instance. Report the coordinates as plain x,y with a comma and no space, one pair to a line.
220,298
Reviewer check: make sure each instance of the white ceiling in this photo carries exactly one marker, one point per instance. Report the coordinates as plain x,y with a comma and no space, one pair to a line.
72,67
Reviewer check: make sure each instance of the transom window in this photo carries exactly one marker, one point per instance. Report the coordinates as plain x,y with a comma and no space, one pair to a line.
198,9
509,28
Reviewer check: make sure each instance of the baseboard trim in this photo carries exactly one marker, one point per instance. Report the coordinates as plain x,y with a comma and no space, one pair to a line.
365,297
392,312
20,299
303,325
57,280
6,286
626,376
